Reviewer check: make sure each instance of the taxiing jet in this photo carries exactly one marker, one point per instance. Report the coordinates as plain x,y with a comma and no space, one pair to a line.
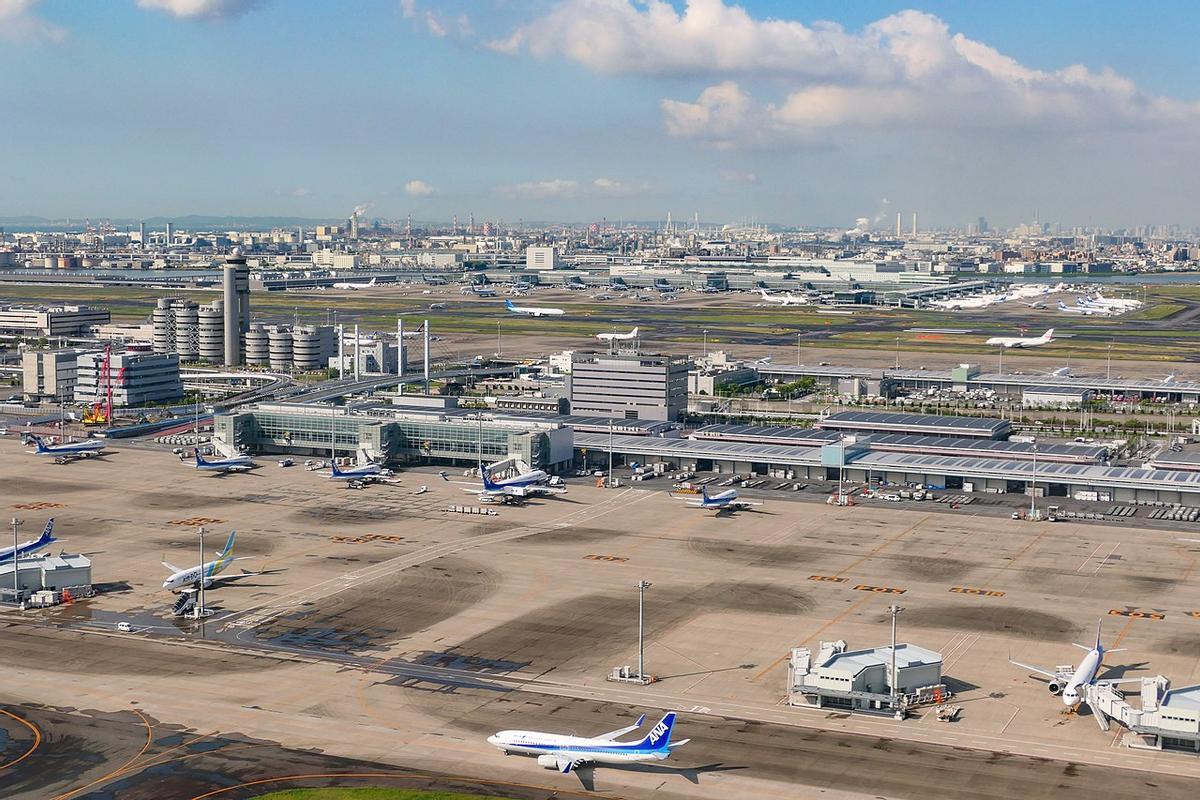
783,299
1071,683
1022,341
68,450
724,501
355,286
239,463
6,554
566,753
533,311
181,579
356,473
617,337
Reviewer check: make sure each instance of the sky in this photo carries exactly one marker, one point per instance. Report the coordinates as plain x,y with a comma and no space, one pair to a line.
791,112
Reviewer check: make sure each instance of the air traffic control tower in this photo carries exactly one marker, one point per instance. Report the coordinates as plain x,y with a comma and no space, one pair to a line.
236,284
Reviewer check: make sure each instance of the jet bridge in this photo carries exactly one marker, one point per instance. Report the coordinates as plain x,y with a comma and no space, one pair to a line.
1166,719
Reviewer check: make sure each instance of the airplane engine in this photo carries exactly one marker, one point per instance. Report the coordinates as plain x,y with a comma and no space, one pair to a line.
549,762
1055,687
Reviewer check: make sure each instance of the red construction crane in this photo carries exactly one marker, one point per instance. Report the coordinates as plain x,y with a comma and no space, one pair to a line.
101,412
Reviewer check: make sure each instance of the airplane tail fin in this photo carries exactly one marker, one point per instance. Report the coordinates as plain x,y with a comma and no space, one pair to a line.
39,444
337,473
372,283
488,483
659,737
228,544
47,533
200,462
508,304
1048,335
1099,625
633,333
704,492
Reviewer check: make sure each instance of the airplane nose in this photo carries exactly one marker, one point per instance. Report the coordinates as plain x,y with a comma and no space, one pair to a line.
493,740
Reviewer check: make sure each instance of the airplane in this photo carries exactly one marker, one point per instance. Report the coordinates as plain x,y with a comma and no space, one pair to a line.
566,753
69,450
617,337
180,579
354,286
437,306
357,472
785,299
1022,341
527,484
1070,683
34,544
238,463
533,311
1066,309
724,501
478,290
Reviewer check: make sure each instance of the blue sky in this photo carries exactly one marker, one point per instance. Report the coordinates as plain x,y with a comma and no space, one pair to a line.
580,109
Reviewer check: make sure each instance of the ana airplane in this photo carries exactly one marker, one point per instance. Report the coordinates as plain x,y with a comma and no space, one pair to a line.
1022,341
1071,683
1066,309
355,286
181,579
478,290
783,299
527,484
617,337
239,463
46,538
724,501
533,311
357,472
566,753
68,450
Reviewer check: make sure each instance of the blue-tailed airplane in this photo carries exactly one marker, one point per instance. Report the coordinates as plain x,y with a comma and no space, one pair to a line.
46,538
69,450
357,473
533,311
724,501
566,753
239,463
180,579
527,484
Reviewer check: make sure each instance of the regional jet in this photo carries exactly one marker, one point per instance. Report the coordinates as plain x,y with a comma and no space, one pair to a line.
533,311
783,299
355,286
181,579
1022,341
6,554
238,463
1071,683
724,501
566,752
68,450
617,337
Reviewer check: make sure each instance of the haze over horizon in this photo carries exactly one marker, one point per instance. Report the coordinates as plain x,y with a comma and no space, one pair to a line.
795,113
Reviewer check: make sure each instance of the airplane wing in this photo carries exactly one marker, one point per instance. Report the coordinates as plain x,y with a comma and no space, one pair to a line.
566,762
608,737
1038,670
174,569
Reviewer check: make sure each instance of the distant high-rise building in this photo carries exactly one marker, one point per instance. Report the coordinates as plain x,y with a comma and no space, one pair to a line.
899,232
914,228
983,225
170,234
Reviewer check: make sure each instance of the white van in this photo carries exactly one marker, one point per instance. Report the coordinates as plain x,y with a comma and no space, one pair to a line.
124,627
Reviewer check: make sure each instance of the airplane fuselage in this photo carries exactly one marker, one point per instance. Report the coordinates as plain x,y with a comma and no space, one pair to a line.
595,751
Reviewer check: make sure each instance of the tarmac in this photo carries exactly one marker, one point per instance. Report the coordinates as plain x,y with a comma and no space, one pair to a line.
378,633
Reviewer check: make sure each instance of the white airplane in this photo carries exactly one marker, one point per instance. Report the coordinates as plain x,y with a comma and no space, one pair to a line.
239,463
32,545
1070,683
357,472
355,286
1022,341
1087,312
1113,304
566,753
68,450
783,299
533,311
181,579
617,337
724,501
527,484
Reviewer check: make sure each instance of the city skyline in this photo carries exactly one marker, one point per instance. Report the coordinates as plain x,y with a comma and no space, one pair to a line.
581,109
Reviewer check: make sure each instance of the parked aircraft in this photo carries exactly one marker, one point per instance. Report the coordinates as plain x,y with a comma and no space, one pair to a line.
181,579
533,311
617,337
6,554
1066,309
69,450
479,290
566,753
437,306
238,463
1071,683
783,299
724,501
357,472
527,484
355,286
1022,341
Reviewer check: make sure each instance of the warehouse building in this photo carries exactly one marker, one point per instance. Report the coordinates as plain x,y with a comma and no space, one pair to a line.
925,424
1062,397
861,680
629,386
51,320
47,572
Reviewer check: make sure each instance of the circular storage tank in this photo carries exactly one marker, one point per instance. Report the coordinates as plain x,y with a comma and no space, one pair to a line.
258,353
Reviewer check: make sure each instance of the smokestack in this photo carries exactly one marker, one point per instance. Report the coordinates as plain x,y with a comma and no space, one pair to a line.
899,233
914,230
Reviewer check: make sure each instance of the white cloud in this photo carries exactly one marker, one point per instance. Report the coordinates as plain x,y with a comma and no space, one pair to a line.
200,9
20,22
436,23
541,190
416,188
906,69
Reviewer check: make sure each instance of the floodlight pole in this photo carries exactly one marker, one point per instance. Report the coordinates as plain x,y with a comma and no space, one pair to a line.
1033,486
16,563
895,612
610,455
200,605
642,586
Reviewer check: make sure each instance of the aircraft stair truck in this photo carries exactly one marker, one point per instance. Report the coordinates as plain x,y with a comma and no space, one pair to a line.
185,603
